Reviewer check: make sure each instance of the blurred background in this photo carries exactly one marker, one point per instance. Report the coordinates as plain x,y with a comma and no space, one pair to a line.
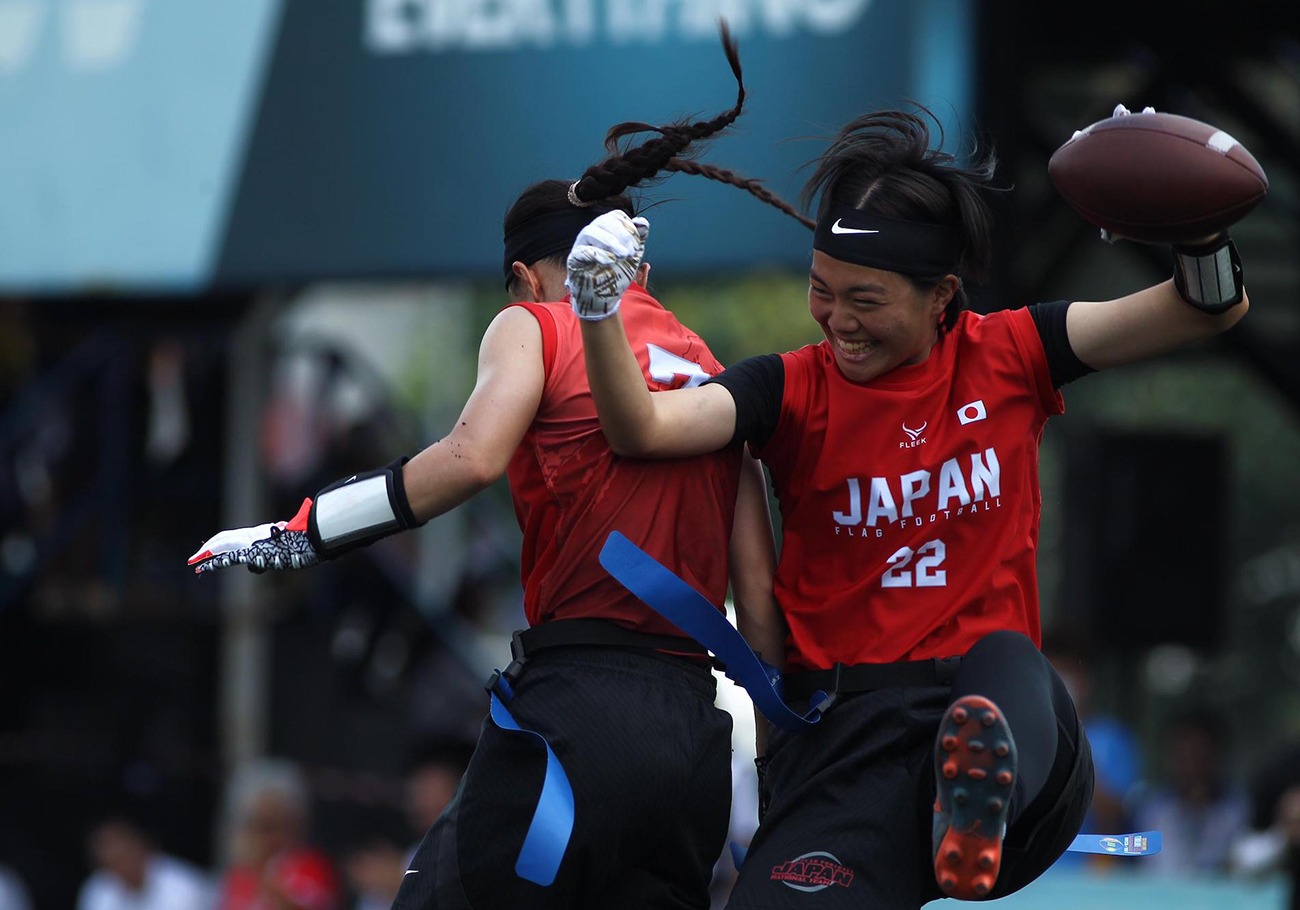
249,247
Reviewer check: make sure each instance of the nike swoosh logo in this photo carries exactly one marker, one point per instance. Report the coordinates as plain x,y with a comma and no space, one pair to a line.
410,872
836,229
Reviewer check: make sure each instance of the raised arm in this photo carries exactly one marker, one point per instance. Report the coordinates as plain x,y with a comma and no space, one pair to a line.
636,421
1153,321
753,564
645,424
371,505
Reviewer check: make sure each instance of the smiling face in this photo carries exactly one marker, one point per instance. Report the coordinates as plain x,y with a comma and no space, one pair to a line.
874,320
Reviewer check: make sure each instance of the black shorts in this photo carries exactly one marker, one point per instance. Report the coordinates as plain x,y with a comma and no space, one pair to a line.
851,802
649,758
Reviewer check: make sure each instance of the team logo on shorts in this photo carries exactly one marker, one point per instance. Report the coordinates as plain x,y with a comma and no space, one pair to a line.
1112,844
815,871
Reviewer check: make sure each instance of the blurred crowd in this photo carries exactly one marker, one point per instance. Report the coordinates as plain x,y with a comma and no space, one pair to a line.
1211,824
270,860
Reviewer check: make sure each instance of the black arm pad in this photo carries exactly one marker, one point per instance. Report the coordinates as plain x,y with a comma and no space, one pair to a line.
1209,277
358,511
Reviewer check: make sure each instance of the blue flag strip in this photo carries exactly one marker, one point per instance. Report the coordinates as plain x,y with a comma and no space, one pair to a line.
690,611
552,825
1143,843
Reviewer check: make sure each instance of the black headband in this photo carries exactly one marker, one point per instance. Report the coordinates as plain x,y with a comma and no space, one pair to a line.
907,247
544,236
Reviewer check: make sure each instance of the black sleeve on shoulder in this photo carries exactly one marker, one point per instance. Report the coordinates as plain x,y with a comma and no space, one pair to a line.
1064,365
757,384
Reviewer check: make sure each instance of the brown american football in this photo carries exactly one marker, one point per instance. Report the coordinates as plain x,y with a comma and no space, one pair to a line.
1157,178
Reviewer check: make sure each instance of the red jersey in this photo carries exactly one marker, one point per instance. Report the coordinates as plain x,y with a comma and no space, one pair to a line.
910,503
570,489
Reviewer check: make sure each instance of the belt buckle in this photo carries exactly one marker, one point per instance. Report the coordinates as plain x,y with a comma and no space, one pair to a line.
830,698
502,682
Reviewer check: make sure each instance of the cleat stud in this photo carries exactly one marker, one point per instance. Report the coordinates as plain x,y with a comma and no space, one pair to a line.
950,770
959,715
975,745
995,805
949,743
959,796
954,856
989,718
948,882
982,886
1002,750
1004,778
987,859
977,774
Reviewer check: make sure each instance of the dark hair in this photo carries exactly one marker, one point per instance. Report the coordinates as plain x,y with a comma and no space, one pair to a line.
748,184
882,164
601,186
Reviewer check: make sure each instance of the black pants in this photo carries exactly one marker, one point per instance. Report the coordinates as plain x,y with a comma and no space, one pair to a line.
851,801
649,759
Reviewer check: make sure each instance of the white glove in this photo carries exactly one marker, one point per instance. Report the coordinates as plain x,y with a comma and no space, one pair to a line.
603,262
1122,111
278,545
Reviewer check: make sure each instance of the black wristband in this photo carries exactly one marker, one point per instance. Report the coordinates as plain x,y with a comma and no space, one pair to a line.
360,510
1209,277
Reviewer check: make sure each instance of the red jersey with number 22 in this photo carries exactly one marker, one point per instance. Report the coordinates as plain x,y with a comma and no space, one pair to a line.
910,503
570,489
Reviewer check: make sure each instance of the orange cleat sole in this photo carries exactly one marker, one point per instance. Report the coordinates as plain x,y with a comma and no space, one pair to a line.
975,768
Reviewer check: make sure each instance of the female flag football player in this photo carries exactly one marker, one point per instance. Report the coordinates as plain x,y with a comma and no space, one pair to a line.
904,453
624,700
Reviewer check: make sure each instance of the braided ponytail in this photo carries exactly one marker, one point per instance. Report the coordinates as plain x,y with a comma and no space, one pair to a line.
638,165
601,188
731,178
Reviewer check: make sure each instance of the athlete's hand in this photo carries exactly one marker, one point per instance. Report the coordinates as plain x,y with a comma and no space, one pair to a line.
278,545
603,262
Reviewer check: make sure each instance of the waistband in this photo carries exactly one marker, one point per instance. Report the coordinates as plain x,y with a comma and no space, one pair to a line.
600,642
565,632
844,679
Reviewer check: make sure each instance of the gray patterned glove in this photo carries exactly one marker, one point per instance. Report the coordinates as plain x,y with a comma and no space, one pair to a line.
345,515
603,262
278,545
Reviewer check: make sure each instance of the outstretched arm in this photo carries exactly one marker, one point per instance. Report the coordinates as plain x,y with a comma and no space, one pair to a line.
495,418
1151,322
369,506
753,565
1112,333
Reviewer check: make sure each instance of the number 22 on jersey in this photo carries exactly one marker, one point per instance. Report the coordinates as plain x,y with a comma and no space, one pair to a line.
924,573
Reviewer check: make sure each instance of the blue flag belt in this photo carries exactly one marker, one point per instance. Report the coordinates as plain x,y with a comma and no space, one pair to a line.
552,824
689,610
1143,843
